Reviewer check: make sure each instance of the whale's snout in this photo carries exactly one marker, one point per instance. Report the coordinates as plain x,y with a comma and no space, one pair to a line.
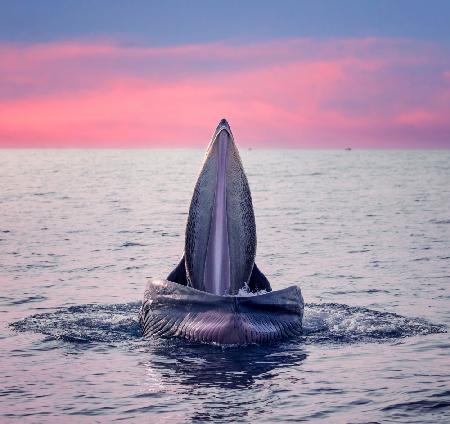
221,135
223,124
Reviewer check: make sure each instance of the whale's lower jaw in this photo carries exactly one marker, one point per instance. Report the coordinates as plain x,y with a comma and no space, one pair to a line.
172,310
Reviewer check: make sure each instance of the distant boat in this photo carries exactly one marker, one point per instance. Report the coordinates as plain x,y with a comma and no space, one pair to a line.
348,148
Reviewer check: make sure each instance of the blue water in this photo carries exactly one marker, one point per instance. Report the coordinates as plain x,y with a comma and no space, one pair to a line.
366,234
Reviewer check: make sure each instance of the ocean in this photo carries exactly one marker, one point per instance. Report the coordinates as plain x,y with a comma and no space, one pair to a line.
365,234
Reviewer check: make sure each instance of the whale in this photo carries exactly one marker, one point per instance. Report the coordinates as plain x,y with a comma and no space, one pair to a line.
217,293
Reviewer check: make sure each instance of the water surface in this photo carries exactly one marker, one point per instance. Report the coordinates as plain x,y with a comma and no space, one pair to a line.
366,234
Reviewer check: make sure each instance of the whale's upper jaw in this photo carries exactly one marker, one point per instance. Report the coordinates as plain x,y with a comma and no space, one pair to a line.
220,241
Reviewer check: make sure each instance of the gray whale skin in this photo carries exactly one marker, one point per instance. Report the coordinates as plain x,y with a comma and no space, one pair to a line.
217,294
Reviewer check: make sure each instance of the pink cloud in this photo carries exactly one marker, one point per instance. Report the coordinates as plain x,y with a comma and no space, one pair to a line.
293,93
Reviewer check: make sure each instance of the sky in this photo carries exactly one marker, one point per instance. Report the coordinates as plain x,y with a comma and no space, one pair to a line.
294,74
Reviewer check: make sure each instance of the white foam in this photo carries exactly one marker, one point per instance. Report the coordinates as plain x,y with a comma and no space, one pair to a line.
245,292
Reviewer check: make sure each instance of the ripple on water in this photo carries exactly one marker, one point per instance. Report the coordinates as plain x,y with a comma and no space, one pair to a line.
28,299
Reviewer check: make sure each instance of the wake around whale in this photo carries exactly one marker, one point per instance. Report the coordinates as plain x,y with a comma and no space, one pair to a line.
217,294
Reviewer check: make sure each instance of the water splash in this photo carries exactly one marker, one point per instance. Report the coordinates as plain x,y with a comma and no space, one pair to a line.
338,323
322,323
86,323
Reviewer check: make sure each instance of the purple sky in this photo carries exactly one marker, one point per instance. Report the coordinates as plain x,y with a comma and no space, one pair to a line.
298,74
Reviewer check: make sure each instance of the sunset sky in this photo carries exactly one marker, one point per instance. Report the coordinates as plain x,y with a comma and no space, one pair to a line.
308,74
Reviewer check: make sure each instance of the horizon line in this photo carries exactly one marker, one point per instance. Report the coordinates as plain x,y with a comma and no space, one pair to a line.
243,148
